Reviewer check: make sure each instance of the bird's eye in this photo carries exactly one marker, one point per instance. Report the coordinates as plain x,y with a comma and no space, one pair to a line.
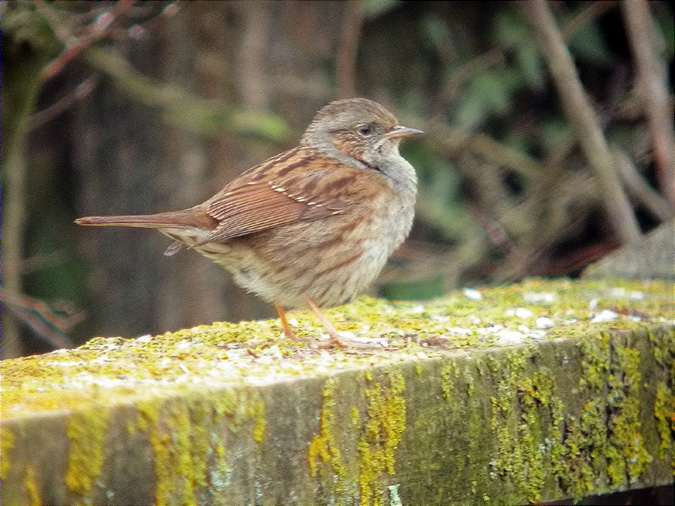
365,130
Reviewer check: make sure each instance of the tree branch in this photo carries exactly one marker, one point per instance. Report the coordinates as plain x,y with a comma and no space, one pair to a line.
652,83
179,107
82,91
580,113
23,87
75,46
345,67
638,187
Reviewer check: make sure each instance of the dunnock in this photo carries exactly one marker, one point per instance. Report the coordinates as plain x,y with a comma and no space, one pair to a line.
312,226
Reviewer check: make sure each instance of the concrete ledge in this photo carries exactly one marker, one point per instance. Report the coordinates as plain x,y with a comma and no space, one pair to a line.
532,392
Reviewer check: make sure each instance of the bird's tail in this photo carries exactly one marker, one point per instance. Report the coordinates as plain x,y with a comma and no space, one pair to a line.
188,218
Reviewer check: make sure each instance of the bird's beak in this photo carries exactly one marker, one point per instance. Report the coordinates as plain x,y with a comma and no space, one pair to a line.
399,132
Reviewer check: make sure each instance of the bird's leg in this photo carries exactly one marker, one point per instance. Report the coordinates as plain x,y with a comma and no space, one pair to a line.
284,322
335,339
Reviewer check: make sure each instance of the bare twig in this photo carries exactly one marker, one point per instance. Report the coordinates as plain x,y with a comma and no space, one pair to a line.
585,15
580,113
453,140
45,322
181,108
638,187
75,46
348,49
653,89
82,91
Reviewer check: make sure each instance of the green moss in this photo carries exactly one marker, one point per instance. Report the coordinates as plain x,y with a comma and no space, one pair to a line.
449,374
521,419
604,439
86,434
627,455
6,445
384,427
575,471
151,363
664,412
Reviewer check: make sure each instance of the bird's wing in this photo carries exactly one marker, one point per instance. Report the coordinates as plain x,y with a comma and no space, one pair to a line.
298,185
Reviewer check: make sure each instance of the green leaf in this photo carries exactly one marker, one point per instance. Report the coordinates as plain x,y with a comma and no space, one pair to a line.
510,29
374,8
665,25
529,63
436,31
488,93
554,132
587,44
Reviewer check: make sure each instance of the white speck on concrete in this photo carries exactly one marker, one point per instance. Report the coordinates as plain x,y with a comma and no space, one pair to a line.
539,297
544,322
394,498
274,352
508,336
472,294
622,293
520,312
183,345
605,315
537,334
65,364
618,292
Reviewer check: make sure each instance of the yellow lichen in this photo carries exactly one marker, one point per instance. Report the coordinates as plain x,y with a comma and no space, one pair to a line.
86,435
356,416
260,421
179,434
6,445
381,435
149,418
324,447
32,488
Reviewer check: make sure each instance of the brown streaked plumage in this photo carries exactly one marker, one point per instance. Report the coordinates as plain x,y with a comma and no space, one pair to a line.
312,226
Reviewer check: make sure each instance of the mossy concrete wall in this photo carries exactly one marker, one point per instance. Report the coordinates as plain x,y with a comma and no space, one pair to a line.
533,392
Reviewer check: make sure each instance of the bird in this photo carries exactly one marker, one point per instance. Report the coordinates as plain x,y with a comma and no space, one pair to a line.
311,227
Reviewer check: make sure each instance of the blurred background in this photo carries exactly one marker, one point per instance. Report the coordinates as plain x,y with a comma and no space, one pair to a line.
533,164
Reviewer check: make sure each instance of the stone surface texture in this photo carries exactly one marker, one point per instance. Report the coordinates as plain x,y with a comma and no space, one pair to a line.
527,393
652,257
